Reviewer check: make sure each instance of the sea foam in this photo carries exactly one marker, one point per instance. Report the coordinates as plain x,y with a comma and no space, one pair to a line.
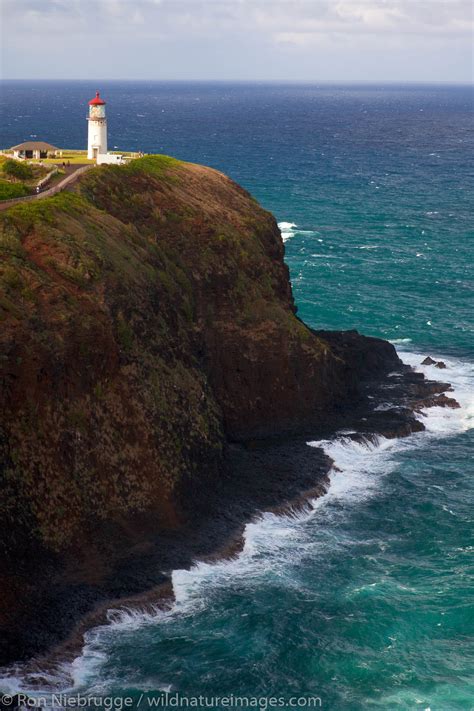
290,229
287,230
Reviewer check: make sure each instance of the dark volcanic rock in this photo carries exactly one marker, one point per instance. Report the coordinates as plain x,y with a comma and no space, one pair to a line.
428,361
368,357
436,401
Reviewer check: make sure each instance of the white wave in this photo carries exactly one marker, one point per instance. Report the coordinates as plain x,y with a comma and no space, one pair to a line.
287,230
290,229
358,472
356,464
460,374
360,466
357,467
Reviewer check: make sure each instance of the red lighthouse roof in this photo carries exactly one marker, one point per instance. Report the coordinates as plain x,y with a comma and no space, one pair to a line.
97,101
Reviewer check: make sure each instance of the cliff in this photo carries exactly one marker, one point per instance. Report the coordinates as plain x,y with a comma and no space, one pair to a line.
147,323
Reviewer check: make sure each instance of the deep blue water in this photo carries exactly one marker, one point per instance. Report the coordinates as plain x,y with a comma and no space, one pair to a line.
365,602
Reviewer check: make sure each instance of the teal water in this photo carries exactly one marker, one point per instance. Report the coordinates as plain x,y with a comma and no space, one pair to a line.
366,602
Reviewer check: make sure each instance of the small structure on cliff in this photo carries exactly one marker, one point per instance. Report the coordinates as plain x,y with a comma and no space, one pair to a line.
34,149
97,133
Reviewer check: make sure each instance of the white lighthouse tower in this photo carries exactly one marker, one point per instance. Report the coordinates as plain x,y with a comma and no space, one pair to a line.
97,133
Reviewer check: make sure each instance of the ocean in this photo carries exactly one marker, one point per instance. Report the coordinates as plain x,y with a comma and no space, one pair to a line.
366,601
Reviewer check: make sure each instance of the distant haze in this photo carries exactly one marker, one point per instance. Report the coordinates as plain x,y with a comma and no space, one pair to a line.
342,40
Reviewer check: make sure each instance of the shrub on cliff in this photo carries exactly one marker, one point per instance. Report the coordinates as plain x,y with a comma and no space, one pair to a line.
8,190
15,169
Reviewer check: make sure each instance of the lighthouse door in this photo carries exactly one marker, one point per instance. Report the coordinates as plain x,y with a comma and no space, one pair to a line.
95,152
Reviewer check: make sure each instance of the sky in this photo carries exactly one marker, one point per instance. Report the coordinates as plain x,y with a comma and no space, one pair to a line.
278,40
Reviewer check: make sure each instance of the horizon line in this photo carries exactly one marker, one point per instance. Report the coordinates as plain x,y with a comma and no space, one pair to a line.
467,82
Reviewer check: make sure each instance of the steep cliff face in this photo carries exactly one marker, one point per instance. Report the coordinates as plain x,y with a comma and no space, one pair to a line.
267,370
146,319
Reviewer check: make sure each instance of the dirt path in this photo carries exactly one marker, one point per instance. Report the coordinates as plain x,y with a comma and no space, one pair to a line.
73,173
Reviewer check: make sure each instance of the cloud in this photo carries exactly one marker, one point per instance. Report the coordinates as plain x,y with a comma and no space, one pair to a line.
404,18
269,30
271,17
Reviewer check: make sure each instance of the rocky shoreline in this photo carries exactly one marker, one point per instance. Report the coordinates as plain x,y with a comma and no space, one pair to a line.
274,474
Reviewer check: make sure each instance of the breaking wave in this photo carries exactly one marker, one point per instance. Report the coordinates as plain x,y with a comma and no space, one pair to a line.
290,229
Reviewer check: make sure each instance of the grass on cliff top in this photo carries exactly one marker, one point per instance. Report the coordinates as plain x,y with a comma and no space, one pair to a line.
27,214
156,165
73,157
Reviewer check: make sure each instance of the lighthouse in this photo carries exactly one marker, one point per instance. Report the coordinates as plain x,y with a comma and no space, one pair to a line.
97,133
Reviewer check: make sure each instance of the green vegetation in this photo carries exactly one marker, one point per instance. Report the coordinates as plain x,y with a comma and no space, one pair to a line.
15,169
124,333
17,179
9,190
26,214
11,278
156,165
73,157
